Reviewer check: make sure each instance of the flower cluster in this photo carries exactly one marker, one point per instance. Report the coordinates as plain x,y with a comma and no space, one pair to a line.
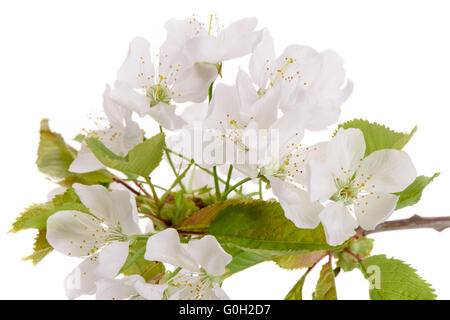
216,137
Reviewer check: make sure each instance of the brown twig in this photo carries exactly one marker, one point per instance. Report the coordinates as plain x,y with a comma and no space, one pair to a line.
167,223
415,222
142,188
126,185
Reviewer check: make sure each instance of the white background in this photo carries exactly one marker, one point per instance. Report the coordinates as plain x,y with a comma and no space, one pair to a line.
56,56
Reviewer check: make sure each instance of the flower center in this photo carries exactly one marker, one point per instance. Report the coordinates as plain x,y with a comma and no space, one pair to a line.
158,93
346,192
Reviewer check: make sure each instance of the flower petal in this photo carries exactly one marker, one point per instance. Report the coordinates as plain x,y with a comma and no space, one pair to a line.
345,151
193,82
239,39
296,204
374,209
209,254
138,65
150,291
338,223
165,115
386,171
125,211
321,183
165,246
129,98
298,168
117,289
82,279
263,57
74,233
98,201
85,161
219,293
112,258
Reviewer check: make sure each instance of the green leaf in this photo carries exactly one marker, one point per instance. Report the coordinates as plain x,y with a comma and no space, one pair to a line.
41,248
262,225
326,286
136,264
378,136
296,293
412,194
201,219
140,160
245,258
55,156
35,217
299,261
392,279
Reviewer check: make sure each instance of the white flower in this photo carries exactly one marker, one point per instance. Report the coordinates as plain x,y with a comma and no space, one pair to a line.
202,49
141,89
122,135
357,184
318,99
129,287
303,82
202,261
102,237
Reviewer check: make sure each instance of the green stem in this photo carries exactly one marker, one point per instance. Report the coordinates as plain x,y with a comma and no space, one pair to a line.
216,183
152,187
197,165
169,159
232,188
260,190
177,181
230,171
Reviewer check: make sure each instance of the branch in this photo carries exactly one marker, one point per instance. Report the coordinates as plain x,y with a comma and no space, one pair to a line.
415,222
126,185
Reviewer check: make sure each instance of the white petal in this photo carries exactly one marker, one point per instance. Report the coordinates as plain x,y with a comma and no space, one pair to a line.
262,58
130,99
165,246
138,65
116,289
204,49
224,108
262,110
150,291
345,151
116,114
321,182
97,200
112,258
131,135
193,82
220,293
239,39
296,204
82,279
125,211
165,115
297,167
85,161
246,90
55,192
74,233
338,223
195,112
287,133
386,171
374,209
209,254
